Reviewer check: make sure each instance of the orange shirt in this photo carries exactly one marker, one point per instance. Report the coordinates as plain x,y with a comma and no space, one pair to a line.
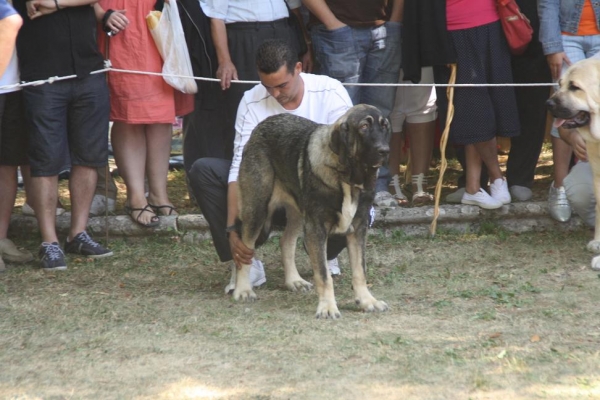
587,23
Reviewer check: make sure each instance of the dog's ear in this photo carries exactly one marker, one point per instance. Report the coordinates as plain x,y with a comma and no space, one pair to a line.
338,135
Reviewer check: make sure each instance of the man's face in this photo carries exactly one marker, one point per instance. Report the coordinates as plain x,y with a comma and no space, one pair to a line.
283,85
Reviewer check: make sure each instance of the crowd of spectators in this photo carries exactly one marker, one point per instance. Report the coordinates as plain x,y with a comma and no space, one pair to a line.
367,41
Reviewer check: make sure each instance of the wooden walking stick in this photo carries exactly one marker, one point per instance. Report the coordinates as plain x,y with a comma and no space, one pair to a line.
443,142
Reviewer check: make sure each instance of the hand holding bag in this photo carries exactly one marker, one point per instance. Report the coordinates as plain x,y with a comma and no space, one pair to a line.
168,35
516,26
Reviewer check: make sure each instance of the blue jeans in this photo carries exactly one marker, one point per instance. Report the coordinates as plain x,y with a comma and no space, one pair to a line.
578,48
355,55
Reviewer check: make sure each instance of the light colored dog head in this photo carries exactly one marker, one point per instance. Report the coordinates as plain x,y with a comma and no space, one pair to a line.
576,103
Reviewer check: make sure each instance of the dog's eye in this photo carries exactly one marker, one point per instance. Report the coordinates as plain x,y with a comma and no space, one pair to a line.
573,87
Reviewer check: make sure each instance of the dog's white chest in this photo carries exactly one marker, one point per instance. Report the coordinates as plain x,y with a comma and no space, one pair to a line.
349,207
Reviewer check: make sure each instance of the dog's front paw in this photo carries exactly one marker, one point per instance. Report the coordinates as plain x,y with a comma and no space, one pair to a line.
372,304
596,263
299,285
244,295
594,246
327,310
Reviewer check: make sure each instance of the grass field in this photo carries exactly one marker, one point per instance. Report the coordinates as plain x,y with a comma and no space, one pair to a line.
486,315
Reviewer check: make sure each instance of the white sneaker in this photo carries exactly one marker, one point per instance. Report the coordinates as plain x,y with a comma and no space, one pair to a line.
499,189
558,203
520,193
481,199
98,206
385,199
257,273
455,197
334,267
28,210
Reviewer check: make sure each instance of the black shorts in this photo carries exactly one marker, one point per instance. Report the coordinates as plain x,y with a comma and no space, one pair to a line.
13,130
67,118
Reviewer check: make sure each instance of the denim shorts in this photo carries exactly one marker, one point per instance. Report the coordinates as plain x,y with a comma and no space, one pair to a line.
67,118
13,131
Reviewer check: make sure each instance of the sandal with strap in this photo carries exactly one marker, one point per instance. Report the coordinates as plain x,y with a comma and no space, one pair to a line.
170,209
154,221
398,195
420,197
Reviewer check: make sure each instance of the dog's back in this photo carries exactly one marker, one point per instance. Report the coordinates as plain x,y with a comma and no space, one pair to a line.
279,144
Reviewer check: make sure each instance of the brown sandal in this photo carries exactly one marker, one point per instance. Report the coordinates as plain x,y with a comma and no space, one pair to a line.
157,209
147,208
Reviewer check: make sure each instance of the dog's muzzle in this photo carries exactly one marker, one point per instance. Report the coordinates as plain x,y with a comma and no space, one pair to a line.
565,117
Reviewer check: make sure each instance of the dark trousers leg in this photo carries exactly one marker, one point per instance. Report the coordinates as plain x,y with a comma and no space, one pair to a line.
525,149
208,180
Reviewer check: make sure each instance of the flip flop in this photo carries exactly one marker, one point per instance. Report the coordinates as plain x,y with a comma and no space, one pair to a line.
147,208
171,209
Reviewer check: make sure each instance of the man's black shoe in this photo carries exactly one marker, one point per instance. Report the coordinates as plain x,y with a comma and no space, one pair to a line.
84,245
52,257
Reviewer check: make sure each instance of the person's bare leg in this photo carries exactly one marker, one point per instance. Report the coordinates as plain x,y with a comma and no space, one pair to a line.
43,195
82,184
158,146
129,146
473,161
396,144
488,151
420,137
8,188
561,156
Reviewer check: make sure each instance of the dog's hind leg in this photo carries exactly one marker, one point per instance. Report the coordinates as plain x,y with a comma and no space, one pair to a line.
315,238
293,227
356,254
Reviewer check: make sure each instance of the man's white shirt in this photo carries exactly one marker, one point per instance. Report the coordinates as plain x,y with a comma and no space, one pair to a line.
324,101
232,11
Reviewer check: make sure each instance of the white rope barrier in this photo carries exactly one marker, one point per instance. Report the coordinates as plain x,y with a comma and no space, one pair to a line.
109,68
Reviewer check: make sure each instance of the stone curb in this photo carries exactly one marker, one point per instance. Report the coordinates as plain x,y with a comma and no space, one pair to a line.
516,217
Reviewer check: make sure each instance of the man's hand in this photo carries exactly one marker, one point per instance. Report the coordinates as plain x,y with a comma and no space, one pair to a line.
117,21
308,60
226,73
555,62
241,254
574,139
39,8
578,145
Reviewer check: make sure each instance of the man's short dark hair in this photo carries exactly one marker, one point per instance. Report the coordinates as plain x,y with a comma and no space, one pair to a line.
272,54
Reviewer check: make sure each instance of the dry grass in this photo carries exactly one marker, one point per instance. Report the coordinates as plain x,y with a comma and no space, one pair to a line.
488,315
481,316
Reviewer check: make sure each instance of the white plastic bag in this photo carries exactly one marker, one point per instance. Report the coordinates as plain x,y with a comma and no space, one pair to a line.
170,41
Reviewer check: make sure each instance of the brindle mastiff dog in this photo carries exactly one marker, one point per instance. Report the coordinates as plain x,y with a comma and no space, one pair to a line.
324,178
576,105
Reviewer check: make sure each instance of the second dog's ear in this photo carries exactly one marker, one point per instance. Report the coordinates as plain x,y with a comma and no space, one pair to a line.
338,137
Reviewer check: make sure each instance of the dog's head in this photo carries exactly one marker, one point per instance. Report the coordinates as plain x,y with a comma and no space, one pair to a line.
361,140
576,103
